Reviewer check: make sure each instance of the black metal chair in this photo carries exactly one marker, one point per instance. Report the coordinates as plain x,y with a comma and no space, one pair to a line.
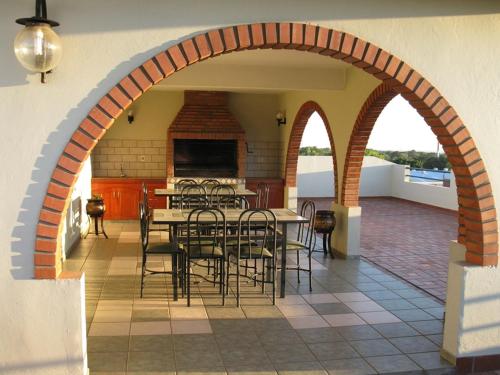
209,184
160,249
262,199
254,246
206,238
145,202
306,240
180,185
219,192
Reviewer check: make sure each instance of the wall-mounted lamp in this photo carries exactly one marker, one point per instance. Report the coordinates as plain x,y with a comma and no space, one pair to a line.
130,117
280,118
37,47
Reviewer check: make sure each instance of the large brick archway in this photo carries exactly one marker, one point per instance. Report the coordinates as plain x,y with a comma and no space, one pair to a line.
478,210
292,155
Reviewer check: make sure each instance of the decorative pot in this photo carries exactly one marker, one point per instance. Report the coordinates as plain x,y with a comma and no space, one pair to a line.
95,207
325,221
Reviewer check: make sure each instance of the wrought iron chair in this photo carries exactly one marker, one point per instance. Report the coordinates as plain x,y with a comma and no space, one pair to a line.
252,246
206,238
219,192
262,199
168,248
209,184
306,240
180,185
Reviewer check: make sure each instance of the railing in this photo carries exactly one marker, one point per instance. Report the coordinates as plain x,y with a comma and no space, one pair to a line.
435,176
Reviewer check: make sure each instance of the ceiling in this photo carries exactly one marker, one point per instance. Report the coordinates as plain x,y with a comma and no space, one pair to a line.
261,70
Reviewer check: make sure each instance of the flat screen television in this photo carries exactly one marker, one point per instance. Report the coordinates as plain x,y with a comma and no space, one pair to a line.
205,158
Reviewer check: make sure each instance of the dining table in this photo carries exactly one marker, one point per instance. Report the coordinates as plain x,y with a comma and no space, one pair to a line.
177,193
284,217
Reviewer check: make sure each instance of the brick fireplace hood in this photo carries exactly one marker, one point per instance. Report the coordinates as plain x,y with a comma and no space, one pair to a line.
205,115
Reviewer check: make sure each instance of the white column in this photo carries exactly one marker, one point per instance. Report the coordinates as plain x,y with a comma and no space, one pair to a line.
291,198
472,322
347,233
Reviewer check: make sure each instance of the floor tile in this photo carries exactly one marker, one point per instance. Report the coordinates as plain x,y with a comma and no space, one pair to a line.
415,344
272,339
107,344
351,297
372,348
381,295
290,311
112,316
429,361
437,312
331,308
340,320
151,361
291,353
351,366
301,322
393,363
396,304
158,343
180,327
259,312
190,313
395,330
412,315
365,332
292,299
364,306
333,350
150,328
320,335
149,314
377,317
300,368
425,302
428,327
111,361
109,329
320,298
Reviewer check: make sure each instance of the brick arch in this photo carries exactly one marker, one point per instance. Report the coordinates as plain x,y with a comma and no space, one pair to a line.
292,155
475,196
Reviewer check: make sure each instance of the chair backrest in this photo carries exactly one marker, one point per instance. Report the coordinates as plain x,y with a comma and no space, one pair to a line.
193,190
262,199
193,201
184,182
209,184
145,200
219,192
232,201
144,223
256,241
206,227
305,233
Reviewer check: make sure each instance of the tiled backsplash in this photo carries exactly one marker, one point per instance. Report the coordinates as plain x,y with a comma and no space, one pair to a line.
147,158
133,158
264,159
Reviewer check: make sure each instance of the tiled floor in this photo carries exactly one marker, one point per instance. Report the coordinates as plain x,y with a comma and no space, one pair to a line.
357,320
409,239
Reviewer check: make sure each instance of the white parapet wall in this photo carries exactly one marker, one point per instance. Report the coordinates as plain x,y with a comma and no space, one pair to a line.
379,178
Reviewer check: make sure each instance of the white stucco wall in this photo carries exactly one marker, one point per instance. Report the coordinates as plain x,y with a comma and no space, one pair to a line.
379,178
104,40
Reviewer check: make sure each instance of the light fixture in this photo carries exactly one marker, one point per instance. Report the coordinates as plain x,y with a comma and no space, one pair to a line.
280,118
37,47
130,117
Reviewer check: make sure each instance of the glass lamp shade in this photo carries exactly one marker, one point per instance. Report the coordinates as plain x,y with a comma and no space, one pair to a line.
38,48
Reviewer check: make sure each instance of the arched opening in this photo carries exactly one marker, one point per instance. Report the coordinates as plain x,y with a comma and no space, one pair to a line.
477,211
408,199
305,113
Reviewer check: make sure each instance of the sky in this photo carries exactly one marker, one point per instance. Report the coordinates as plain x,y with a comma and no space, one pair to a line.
398,128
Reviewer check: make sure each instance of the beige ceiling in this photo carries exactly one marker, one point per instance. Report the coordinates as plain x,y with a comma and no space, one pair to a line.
277,58
262,70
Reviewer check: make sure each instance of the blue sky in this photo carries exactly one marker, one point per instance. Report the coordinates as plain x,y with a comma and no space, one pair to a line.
398,128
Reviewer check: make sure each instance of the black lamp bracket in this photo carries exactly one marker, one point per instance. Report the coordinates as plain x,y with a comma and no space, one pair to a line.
40,16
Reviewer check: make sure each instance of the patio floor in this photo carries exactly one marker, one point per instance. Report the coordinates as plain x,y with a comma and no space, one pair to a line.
358,320
409,239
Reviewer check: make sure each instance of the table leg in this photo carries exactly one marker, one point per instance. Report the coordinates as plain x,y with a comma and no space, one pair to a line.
325,248
283,261
330,249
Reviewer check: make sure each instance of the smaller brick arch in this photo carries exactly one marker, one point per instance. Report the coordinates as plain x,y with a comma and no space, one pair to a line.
292,155
477,224
363,127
